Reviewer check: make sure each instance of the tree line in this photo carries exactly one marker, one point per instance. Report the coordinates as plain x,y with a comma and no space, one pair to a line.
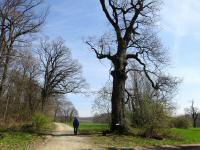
33,77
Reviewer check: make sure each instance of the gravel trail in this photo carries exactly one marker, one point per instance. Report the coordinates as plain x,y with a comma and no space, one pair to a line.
65,140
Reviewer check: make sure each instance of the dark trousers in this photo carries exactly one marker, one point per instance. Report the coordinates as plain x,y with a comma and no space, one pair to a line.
75,130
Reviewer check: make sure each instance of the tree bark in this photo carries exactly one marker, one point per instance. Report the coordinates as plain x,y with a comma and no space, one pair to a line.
6,110
55,114
194,123
118,95
43,104
43,100
4,76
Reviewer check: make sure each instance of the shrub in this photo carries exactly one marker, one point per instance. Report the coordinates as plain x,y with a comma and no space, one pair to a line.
41,122
154,119
181,122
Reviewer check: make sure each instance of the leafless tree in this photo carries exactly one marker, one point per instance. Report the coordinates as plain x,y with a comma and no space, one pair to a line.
22,92
30,70
58,102
141,95
65,110
61,73
102,102
18,20
194,113
134,39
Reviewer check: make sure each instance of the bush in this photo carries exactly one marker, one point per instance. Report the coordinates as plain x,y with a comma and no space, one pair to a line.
41,122
181,122
154,119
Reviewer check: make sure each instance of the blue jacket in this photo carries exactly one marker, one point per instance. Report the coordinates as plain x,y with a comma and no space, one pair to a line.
76,123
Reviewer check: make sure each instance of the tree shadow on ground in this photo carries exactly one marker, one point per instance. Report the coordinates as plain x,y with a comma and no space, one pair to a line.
162,148
177,148
62,134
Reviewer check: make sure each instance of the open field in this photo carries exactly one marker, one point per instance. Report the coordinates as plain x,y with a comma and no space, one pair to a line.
189,136
181,136
91,128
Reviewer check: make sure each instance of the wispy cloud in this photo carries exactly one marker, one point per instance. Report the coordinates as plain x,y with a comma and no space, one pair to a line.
181,21
190,76
181,17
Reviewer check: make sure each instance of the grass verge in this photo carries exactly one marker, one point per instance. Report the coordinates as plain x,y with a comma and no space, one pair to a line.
17,140
180,136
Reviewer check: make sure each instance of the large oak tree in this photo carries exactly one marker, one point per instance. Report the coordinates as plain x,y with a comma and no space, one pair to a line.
133,38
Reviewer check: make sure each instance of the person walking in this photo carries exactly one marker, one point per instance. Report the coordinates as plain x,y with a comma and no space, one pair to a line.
75,125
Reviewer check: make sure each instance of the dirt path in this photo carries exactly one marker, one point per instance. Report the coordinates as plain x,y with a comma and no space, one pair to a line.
65,140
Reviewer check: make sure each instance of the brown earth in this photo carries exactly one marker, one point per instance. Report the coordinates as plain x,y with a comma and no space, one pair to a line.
64,139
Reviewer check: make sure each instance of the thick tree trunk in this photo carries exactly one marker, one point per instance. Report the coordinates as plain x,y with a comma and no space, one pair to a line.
43,104
118,121
6,110
4,76
44,98
55,114
194,123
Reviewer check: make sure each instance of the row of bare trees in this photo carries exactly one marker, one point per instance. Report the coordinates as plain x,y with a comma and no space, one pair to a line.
32,76
35,81
18,21
65,110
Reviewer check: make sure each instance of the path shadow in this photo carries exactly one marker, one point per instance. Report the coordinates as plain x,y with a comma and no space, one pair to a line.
176,148
61,134
161,148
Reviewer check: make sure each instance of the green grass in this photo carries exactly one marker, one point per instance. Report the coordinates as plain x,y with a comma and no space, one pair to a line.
180,136
17,140
91,128
189,136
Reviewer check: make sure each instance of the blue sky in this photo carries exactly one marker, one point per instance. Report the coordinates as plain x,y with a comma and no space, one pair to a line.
74,20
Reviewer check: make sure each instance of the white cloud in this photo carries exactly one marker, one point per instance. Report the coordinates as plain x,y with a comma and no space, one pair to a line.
181,17
188,90
190,75
181,20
